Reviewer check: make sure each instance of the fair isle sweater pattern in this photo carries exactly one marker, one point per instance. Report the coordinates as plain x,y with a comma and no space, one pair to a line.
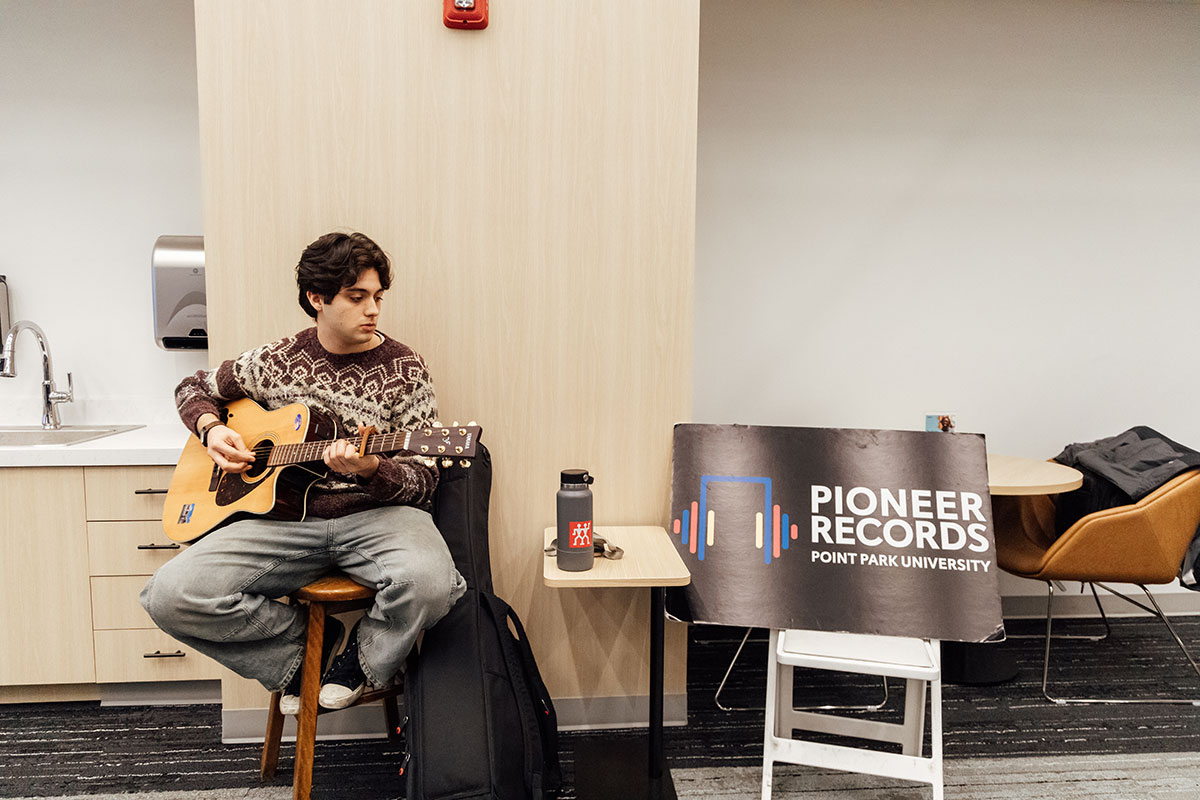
387,386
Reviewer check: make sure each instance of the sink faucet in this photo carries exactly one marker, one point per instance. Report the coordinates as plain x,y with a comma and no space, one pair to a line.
51,397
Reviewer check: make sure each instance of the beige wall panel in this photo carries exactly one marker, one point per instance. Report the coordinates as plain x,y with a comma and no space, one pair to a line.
534,184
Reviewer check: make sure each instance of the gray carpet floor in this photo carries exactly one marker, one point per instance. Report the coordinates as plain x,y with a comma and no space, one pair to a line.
1165,776
1168,776
1002,741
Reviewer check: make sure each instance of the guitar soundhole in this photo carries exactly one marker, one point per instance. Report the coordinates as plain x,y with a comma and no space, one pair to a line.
262,454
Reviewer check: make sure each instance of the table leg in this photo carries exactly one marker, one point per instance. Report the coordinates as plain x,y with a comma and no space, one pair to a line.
658,597
608,769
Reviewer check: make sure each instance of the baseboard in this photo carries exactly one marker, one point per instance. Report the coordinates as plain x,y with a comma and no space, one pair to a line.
248,725
49,693
1073,604
172,693
592,713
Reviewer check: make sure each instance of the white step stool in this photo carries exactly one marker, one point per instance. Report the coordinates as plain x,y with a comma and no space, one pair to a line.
918,661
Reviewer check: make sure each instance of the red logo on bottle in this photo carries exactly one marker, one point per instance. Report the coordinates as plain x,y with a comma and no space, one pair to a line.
580,534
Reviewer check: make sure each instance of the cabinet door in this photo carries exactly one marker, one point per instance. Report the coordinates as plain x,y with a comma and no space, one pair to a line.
45,606
126,492
129,548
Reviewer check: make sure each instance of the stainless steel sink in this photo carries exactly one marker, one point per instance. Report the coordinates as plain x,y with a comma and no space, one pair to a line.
32,435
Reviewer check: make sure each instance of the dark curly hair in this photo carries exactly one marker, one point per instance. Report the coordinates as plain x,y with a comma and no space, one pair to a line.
334,262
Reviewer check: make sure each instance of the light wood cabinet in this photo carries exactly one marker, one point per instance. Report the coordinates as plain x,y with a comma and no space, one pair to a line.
126,493
125,545
137,547
148,654
77,545
45,605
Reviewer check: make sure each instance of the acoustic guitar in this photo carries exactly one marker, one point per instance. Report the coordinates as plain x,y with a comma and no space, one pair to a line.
288,444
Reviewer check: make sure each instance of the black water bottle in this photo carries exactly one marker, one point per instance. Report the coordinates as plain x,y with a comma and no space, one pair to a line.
575,521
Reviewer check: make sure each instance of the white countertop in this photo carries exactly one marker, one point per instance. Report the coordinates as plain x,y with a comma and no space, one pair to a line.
150,445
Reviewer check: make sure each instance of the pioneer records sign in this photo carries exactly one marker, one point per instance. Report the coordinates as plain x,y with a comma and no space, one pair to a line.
866,531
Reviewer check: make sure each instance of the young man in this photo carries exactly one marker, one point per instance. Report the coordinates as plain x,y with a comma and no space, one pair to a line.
369,518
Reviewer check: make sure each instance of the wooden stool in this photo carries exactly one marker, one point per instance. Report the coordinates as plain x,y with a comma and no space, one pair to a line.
332,594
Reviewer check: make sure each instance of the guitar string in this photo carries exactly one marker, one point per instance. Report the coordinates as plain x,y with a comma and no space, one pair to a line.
301,452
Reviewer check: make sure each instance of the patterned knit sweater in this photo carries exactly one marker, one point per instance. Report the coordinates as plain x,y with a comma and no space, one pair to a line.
387,386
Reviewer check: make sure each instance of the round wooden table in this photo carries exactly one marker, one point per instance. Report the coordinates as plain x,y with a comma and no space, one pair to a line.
1013,475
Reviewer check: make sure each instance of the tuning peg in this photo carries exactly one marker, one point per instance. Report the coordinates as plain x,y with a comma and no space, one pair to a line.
473,424
424,448
437,423
458,450
447,463
464,463
462,431
429,462
454,424
441,448
429,431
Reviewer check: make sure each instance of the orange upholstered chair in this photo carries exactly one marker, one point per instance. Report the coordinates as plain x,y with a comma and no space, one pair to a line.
1143,543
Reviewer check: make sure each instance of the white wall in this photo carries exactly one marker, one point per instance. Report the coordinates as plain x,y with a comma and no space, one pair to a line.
903,207
933,205
99,155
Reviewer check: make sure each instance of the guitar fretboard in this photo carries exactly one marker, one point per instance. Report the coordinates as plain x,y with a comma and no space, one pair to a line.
306,452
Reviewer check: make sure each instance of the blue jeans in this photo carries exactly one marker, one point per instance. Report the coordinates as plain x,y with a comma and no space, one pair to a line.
218,596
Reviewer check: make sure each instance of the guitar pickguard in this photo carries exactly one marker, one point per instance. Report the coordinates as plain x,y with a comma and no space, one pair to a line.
233,487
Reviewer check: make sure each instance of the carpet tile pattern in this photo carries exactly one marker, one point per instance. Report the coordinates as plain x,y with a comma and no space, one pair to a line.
65,749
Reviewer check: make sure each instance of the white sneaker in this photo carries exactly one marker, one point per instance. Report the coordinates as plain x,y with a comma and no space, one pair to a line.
289,704
345,682
334,696
289,699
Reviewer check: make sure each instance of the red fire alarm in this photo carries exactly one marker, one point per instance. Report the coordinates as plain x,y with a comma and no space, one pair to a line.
466,14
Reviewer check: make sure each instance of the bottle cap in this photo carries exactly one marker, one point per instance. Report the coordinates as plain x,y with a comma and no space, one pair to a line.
576,476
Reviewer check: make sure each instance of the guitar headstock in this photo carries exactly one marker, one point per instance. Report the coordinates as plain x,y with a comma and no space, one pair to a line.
448,441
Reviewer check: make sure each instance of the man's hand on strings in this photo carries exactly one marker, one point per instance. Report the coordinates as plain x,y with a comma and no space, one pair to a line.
227,450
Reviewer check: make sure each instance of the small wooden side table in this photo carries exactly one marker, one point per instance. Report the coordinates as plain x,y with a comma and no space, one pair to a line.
649,560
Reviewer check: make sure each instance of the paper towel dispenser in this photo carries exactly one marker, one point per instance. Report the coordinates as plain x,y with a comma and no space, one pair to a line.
180,308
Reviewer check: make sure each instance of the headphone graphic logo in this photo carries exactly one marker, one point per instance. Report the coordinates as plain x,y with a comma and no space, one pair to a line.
696,525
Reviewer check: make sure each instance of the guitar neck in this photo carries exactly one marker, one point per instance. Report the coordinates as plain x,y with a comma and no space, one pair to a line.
307,452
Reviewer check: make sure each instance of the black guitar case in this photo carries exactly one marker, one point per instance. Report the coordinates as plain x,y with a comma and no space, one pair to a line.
481,724
460,511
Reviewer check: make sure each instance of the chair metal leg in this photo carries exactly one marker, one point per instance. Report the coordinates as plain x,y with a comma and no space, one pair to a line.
717,696
1155,610
1090,637
874,707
